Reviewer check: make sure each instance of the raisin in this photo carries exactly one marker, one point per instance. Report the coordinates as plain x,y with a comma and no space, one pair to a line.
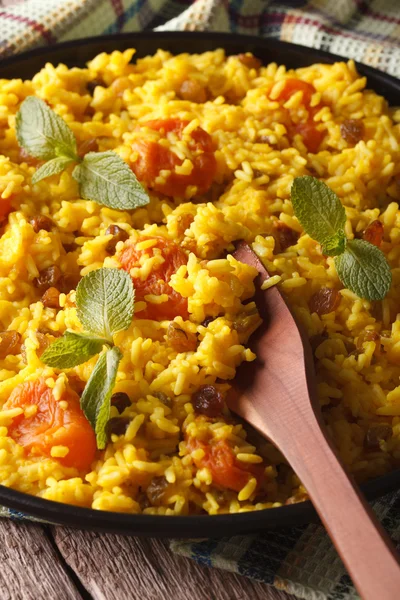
324,301
142,500
207,321
376,433
374,233
249,61
369,335
192,91
246,322
91,85
119,235
70,247
317,339
162,398
44,342
41,222
208,401
10,343
156,490
117,426
121,401
87,146
48,278
284,236
179,340
51,298
352,130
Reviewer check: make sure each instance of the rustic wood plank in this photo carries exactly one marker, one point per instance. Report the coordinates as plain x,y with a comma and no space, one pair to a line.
112,567
30,567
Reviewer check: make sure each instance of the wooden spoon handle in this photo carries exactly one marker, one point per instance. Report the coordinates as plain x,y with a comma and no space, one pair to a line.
363,545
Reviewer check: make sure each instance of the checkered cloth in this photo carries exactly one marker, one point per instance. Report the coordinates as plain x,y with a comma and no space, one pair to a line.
301,561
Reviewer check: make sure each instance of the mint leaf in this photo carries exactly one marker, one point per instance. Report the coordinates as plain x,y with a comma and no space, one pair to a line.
335,245
104,299
105,178
95,400
72,349
318,209
51,167
363,269
42,133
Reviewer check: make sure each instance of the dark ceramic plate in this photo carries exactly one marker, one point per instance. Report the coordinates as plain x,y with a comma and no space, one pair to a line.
77,53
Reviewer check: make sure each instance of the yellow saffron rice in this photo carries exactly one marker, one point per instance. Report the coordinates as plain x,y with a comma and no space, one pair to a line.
152,468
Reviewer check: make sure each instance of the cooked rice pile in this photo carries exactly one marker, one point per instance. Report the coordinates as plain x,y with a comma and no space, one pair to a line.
156,465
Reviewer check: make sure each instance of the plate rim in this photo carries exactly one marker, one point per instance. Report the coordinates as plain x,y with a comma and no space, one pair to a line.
184,526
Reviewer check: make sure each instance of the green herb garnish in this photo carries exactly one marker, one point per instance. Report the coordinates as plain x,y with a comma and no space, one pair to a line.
42,132
95,400
360,265
105,175
102,176
105,306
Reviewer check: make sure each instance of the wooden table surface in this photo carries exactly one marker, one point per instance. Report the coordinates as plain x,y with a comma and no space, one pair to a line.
44,563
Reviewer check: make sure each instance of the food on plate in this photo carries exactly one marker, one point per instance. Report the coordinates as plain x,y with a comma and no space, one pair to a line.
124,315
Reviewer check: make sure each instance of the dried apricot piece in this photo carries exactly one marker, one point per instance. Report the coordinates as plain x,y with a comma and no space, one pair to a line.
52,425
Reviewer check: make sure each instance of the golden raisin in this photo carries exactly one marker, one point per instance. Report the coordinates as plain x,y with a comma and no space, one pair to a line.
324,301
119,235
41,222
245,324
48,278
10,343
44,342
51,298
374,233
352,130
180,340
284,236
369,335
208,401
249,61
376,433
192,91
121,401
156,490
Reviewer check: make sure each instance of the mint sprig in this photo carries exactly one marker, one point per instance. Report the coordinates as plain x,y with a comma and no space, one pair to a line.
105,302
102,176
105,306
105,176
73,349
52,167
95,400
360,265
42,132
363,269
319,211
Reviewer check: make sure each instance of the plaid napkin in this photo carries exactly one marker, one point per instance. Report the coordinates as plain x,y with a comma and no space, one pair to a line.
300,560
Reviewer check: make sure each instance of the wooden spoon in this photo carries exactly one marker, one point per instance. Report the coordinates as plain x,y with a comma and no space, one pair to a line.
277,395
